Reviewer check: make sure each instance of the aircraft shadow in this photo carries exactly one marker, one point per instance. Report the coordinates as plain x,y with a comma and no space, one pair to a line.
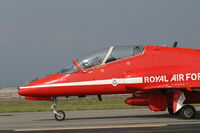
6,115
127,116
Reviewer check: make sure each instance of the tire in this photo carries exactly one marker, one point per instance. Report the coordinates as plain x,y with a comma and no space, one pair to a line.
61,115
188,112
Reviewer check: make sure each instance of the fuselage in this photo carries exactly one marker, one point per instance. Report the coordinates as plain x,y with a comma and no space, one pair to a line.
155,68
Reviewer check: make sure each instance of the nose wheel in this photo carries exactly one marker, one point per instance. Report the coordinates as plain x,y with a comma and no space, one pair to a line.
59,115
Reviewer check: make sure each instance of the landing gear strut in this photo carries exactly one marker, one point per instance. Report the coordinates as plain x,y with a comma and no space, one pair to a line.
59,115
170,109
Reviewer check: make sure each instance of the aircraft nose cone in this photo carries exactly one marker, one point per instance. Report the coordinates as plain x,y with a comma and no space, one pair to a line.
22,92
25,91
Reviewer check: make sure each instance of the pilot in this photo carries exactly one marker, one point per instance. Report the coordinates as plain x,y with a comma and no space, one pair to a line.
137,50
96,61
85,64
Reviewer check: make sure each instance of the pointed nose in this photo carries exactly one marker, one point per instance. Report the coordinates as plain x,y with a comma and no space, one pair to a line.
33,88
23,92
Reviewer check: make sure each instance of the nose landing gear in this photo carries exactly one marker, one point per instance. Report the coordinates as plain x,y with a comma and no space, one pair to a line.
60,114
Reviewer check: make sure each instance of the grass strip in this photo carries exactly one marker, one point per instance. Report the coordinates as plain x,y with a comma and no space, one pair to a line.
64,105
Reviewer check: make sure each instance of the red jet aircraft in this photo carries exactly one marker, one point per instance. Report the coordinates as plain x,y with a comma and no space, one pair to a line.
156,76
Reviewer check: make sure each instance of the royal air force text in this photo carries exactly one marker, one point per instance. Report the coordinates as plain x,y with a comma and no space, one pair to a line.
173,78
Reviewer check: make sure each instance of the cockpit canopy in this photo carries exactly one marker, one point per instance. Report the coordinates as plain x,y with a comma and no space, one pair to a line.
103,56
107,55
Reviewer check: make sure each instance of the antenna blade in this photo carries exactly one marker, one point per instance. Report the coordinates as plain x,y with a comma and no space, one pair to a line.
175,44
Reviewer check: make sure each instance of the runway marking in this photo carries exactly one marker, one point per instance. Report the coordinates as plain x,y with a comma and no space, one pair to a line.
84,128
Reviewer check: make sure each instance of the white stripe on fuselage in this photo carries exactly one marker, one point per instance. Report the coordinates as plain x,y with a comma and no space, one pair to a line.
93,82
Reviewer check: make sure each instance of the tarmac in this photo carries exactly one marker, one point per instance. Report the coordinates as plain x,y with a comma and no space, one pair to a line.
98,121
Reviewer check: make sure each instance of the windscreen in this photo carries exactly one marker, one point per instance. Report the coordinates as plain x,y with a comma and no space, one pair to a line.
70,69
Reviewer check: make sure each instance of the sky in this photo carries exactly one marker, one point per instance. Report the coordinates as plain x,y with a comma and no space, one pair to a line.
40,37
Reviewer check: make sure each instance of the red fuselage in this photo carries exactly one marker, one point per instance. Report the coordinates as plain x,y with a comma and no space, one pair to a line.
157,68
